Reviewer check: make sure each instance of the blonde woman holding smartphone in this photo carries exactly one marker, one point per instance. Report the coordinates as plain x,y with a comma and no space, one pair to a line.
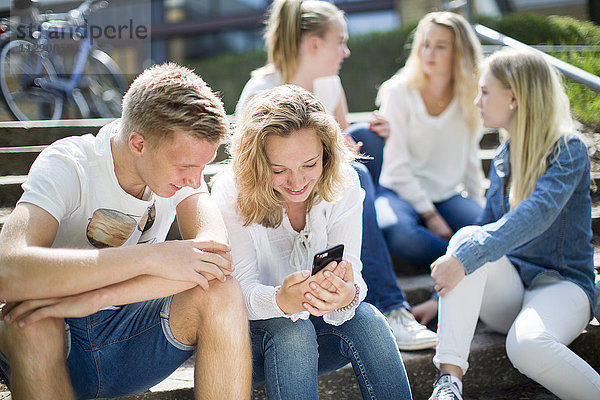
290,194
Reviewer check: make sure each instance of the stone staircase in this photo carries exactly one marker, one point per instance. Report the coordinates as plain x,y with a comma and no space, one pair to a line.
491,371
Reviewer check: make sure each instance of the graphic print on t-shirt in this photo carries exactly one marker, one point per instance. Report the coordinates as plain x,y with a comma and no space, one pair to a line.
112,228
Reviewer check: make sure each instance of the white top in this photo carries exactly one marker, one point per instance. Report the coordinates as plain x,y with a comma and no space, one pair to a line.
428,159
264,257
327,89
74,180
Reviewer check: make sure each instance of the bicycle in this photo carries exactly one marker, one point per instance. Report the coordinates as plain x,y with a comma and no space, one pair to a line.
33,82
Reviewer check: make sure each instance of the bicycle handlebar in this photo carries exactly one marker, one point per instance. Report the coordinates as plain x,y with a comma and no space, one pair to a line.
74,17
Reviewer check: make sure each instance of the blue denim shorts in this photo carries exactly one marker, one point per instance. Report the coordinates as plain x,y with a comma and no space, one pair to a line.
127,350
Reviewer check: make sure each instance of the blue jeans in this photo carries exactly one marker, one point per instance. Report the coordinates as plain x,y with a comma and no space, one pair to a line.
372,147
378,270
115,353
288,356
405,232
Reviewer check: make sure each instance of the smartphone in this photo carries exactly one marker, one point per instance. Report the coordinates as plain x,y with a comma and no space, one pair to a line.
323,258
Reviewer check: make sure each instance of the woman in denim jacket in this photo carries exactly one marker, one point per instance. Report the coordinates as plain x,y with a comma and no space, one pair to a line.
527,271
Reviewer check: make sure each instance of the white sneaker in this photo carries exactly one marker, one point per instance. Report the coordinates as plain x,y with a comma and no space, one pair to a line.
445,389
409,334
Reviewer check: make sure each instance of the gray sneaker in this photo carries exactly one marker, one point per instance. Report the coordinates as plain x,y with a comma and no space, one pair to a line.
444,389
409,334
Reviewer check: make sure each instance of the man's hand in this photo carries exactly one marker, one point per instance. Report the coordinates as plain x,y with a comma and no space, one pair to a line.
30,311
447,272
190,260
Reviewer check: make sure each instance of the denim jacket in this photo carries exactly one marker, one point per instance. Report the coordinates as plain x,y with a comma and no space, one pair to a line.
547,233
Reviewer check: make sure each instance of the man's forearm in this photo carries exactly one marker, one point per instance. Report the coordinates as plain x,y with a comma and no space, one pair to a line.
38,272
141,288
138,289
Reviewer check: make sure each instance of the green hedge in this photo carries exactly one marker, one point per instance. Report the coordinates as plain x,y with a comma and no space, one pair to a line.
558,30
585,102
375,57
537,30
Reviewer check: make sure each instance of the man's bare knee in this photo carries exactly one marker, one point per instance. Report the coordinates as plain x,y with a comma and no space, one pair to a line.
196,309
45,336
227,293
220,296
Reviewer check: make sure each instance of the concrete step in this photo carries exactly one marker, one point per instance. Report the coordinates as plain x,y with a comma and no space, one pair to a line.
35,133
18,160
10,189
490,369
21,136
490,372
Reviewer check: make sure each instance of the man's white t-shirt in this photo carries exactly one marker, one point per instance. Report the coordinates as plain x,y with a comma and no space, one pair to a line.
74,180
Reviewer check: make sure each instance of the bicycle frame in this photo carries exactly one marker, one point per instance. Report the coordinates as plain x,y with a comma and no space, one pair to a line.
44,73
67,87
62,84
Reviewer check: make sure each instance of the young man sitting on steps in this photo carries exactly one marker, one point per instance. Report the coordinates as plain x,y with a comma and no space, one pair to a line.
98,305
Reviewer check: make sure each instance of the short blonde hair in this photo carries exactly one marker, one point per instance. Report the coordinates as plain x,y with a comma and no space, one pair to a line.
283,111
288,21
543,115
467,55
168,97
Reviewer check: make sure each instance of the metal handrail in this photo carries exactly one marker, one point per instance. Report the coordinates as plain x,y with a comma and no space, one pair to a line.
570,71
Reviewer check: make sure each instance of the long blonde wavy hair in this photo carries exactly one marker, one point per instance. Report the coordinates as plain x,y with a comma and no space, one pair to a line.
283,111
467,55
288,21
542,118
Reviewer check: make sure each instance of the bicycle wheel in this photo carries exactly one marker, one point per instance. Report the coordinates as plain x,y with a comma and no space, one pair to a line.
22,87
102,85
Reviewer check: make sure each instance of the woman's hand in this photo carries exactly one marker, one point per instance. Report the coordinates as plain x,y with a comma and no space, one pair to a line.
335,268
437,224
426,311
355,147
290,297
379,125
447,271
320,301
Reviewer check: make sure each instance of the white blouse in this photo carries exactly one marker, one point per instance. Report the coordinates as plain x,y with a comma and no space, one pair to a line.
327,89
427,158
264,257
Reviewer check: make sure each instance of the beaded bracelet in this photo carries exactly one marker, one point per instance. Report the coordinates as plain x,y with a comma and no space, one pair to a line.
354,301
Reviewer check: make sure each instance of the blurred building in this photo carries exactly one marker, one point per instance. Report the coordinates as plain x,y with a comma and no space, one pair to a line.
191,29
